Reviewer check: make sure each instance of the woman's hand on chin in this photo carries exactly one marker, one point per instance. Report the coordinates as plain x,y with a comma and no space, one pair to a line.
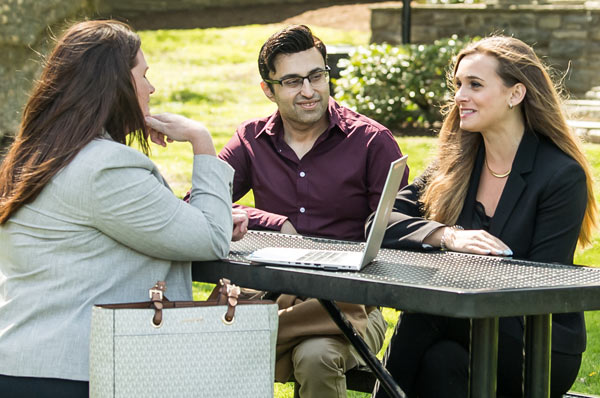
171,127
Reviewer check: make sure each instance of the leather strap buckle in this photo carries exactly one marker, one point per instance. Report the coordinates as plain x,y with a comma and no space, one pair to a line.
157,291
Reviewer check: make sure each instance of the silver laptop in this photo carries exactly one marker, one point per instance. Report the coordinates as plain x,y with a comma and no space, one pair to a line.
337,259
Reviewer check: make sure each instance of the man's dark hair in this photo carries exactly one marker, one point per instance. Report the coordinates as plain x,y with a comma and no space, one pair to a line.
290,40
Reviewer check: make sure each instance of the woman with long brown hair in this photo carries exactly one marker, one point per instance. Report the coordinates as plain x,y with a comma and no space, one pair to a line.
86,219
509,179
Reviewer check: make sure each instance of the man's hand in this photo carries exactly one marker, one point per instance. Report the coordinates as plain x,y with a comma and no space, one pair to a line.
240,224
288,228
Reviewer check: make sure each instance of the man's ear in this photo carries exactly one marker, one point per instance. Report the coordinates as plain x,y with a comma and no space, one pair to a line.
267,90
518,93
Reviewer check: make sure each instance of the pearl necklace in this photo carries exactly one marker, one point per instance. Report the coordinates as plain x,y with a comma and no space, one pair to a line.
496,174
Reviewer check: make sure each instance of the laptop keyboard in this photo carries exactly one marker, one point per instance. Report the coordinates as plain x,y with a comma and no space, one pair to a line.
322,256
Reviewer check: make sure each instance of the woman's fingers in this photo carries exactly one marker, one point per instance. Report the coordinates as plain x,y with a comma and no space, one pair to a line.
477,242
179,128
175,127
157,137
155,123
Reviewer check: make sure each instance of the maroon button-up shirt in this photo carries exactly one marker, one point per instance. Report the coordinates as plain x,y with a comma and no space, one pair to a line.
330,191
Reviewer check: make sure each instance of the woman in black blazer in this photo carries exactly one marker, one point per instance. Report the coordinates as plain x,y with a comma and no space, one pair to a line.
509,179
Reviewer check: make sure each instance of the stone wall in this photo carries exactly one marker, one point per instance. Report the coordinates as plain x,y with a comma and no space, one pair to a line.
567,36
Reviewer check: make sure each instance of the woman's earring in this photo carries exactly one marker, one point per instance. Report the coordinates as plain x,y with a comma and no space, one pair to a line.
510,105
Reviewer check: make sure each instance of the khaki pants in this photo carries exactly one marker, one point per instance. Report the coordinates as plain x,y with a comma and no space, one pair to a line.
320,362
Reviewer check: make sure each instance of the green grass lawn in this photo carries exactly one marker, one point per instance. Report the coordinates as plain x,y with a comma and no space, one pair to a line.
211,75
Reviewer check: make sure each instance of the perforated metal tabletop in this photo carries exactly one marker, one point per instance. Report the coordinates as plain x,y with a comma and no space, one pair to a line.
461,285
436,269
482,288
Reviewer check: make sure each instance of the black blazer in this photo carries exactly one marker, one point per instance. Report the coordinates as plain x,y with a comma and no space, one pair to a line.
539,217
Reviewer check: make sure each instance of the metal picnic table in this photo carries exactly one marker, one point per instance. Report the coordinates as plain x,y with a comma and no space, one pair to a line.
481,288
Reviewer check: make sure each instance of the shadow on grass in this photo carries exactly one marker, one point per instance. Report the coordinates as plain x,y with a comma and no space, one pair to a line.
220,17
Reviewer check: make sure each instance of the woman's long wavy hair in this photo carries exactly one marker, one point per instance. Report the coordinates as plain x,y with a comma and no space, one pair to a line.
86,88
444,195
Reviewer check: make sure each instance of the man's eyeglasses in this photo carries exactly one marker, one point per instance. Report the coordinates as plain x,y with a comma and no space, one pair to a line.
316,78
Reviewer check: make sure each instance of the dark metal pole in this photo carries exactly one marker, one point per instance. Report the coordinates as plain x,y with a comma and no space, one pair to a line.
384,377
405,21
538,343
484,357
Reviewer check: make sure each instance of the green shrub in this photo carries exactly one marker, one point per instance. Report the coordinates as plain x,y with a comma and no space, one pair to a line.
449,1
399,86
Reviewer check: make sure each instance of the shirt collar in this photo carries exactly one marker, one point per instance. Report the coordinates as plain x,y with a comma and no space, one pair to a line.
274,124
336,116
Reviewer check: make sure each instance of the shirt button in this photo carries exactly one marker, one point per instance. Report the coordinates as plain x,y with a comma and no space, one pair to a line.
302,210
302,174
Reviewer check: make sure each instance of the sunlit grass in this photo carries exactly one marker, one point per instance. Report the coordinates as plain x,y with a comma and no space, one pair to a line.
211,75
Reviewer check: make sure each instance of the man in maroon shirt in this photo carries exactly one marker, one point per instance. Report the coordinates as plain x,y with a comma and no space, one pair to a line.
315,168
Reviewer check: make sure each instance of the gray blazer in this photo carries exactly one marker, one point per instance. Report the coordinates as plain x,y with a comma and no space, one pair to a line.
103,230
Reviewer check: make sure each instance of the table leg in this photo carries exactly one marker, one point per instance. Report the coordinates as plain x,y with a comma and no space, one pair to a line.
538,342
384,377
484,357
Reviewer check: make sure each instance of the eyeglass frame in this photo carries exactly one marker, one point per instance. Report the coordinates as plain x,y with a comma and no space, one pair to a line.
327,70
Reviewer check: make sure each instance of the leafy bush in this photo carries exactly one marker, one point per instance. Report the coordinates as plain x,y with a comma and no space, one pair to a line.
449,1
399,86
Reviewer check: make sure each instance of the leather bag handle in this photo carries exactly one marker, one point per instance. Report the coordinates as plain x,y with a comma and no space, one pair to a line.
225,293
157,295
